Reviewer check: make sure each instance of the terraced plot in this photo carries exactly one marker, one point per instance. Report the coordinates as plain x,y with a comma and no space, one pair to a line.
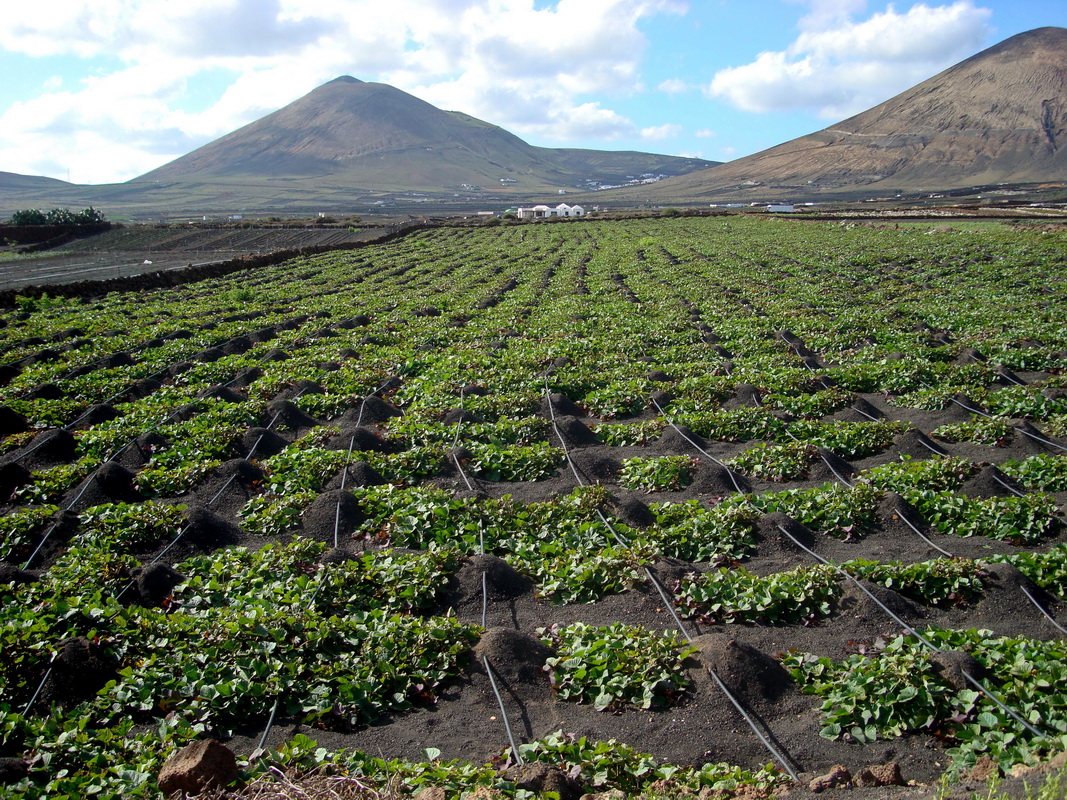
749,497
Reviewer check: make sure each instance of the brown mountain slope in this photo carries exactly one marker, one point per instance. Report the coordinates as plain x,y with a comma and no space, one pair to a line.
998,117
375,137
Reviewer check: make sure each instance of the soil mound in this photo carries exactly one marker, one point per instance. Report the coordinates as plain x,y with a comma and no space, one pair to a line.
679,440
116,483
299,389
661,398
95,414
991,482
770,539
155,583
360,474
562,406
458,415
79,670
893,510
209,355
594,467
290,415
755,678
46,391
745,396
712,478
12,574
246,377
262,443
275,354
831,467
223,393
237,345
502,582
207,531
142,388
1032,440
867,410
575,432
633,512
658,376
372,410
332,517
517,657
854,602
12,476
358,438
953,666
917,445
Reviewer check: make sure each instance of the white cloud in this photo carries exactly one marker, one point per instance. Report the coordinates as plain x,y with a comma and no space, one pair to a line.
529,66
674,86
660,132
839,67
705,133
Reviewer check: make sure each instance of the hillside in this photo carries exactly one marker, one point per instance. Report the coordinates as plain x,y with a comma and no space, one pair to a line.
376,138
997,117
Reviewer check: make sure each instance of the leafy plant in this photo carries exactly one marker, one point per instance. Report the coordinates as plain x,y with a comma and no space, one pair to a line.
615,665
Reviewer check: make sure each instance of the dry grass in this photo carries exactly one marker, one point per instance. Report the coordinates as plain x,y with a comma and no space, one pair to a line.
276,785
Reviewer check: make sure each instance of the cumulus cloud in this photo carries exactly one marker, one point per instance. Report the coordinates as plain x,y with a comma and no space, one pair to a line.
839,67
659,132
529,66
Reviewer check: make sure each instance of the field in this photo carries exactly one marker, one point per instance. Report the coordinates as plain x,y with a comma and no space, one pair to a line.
673,505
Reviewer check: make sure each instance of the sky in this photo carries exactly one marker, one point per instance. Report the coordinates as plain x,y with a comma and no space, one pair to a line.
104,91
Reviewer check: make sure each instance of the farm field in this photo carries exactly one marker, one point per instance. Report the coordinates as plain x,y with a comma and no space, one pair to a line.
673,505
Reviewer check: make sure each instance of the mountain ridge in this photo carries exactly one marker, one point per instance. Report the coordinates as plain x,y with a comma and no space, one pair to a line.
999,116
376,136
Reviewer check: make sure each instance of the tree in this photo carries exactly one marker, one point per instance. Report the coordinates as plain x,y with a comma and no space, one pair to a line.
57,216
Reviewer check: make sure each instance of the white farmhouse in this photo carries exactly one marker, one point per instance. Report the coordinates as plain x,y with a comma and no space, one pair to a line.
541,211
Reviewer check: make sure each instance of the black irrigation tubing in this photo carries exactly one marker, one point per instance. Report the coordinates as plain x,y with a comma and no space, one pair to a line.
51,529
826,461
40,686
970,678
1042,439
701,450
669,605
1042,609
503,711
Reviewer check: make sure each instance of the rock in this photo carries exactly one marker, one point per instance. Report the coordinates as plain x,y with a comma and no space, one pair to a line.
880,775
206,764
836,777
432,793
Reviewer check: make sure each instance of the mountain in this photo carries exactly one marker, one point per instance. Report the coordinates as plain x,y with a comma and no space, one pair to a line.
370,137
999,117
13,180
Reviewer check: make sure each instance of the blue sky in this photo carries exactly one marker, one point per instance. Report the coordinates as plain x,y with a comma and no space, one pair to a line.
102,92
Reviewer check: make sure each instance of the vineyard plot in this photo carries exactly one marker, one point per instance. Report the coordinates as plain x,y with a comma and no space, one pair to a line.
608,469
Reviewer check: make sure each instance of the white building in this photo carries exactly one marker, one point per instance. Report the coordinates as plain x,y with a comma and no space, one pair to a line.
541,211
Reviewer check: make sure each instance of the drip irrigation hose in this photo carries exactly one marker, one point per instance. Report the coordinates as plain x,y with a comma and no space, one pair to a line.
701,450
1041,608
924,537
1042,439
667,602
825,460
40,686
503,711
270,724
970,678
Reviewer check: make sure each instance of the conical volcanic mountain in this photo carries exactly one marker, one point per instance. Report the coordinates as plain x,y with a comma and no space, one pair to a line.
375,137
1000,117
